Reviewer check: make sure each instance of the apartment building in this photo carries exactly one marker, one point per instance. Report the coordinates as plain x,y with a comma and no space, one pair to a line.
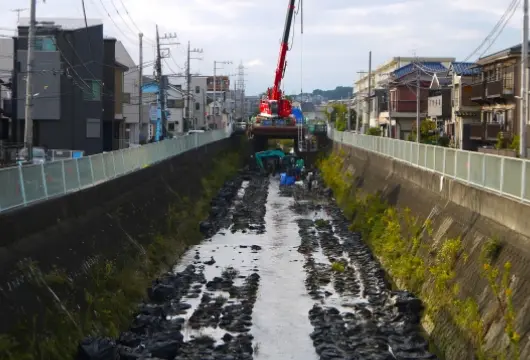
6,72
74,85
380,78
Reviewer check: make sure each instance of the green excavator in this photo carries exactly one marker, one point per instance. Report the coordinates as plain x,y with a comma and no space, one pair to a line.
286,162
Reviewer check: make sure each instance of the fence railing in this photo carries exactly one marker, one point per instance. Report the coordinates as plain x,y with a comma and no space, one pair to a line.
24,185
504,175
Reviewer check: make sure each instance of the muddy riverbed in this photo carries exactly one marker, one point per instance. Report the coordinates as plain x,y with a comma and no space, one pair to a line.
278,277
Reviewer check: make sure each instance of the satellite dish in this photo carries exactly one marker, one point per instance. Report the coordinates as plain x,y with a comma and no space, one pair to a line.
330,110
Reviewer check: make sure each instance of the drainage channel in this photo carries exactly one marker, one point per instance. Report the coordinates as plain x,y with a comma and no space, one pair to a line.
276,279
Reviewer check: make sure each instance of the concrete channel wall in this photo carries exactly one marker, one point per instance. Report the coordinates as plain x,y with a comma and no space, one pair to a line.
457,209
74,231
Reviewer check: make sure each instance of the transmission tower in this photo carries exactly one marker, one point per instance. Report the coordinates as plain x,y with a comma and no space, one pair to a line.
240,90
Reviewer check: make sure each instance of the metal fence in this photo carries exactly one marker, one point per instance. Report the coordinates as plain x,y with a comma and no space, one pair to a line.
23,185
500,174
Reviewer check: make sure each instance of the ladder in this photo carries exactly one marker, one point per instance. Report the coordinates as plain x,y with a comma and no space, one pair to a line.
302,142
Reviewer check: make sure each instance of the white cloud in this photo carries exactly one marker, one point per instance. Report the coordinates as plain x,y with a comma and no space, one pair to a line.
338,34
253,63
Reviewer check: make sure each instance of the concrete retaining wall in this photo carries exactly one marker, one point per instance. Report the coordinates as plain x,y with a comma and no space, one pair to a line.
476,215
74,231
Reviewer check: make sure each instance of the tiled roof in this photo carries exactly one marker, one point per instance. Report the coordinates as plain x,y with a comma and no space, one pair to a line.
432,67
465,68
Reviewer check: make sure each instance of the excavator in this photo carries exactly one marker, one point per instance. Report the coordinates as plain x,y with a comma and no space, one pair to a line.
275,108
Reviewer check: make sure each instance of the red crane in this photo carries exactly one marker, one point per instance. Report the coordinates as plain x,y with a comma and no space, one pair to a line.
276,106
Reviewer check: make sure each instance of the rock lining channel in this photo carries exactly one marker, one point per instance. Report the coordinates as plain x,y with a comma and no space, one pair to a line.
204,309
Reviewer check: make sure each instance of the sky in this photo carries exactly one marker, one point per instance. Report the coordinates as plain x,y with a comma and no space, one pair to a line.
337,34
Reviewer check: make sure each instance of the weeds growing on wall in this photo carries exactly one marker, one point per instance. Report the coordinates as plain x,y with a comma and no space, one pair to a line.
111,289
399,240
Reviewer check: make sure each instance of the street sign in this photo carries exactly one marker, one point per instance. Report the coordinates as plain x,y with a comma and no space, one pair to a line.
153,112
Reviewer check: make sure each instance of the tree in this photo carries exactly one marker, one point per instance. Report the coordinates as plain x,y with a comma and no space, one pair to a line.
428,132
374,131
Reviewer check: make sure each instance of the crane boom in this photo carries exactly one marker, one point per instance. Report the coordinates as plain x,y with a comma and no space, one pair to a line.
275,106
276,92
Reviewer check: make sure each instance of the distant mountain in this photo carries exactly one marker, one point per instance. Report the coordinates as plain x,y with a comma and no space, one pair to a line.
340,92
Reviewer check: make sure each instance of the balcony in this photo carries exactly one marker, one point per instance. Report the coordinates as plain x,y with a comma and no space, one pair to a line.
478,92
485,131
499,89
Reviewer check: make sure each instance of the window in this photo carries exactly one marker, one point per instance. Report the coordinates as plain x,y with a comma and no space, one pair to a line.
93,128
197,89
171,127
126,98
94,93
197,106
45,43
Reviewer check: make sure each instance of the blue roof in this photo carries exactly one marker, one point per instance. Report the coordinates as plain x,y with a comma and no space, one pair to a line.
465,68
434,67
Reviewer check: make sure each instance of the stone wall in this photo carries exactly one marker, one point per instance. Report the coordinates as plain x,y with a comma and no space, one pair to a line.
475,215
75,231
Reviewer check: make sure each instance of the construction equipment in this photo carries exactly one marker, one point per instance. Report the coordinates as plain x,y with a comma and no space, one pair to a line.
275,108
267,154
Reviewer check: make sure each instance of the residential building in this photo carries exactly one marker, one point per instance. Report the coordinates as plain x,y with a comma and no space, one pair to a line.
252,105
198,102
222,83
439,103
6,72
496,90
404,94
309,110
130,92
464,111
175,108
74,85
114,120
380,79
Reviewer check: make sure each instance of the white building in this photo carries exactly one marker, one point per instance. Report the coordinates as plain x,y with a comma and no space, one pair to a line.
131,109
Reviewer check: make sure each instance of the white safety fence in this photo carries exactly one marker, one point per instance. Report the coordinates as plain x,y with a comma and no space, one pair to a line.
24,185
504,175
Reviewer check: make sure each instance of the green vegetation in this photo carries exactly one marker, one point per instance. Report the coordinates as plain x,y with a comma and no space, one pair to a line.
339,116
374,131
340,92
110,292
407,250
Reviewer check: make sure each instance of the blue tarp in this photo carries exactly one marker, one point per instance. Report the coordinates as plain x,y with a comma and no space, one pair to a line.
297,113
286,180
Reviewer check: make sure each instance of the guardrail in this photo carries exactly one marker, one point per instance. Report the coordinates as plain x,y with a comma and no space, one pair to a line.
506,176
24,185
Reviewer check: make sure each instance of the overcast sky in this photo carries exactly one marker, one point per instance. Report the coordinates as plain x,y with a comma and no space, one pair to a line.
338,34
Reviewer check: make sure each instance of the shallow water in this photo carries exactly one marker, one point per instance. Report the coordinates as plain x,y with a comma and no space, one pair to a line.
299,308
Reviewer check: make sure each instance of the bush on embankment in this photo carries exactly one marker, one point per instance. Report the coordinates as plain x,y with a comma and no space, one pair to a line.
104,301
403,245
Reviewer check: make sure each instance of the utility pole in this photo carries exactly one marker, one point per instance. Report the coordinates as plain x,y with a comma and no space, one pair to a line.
214,82
18,11
188,80
161,90
367,121
140,84
417,103
349,111
358,98
28,130
524,83
188,86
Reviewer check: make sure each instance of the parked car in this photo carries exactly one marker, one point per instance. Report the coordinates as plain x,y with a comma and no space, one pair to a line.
40,156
